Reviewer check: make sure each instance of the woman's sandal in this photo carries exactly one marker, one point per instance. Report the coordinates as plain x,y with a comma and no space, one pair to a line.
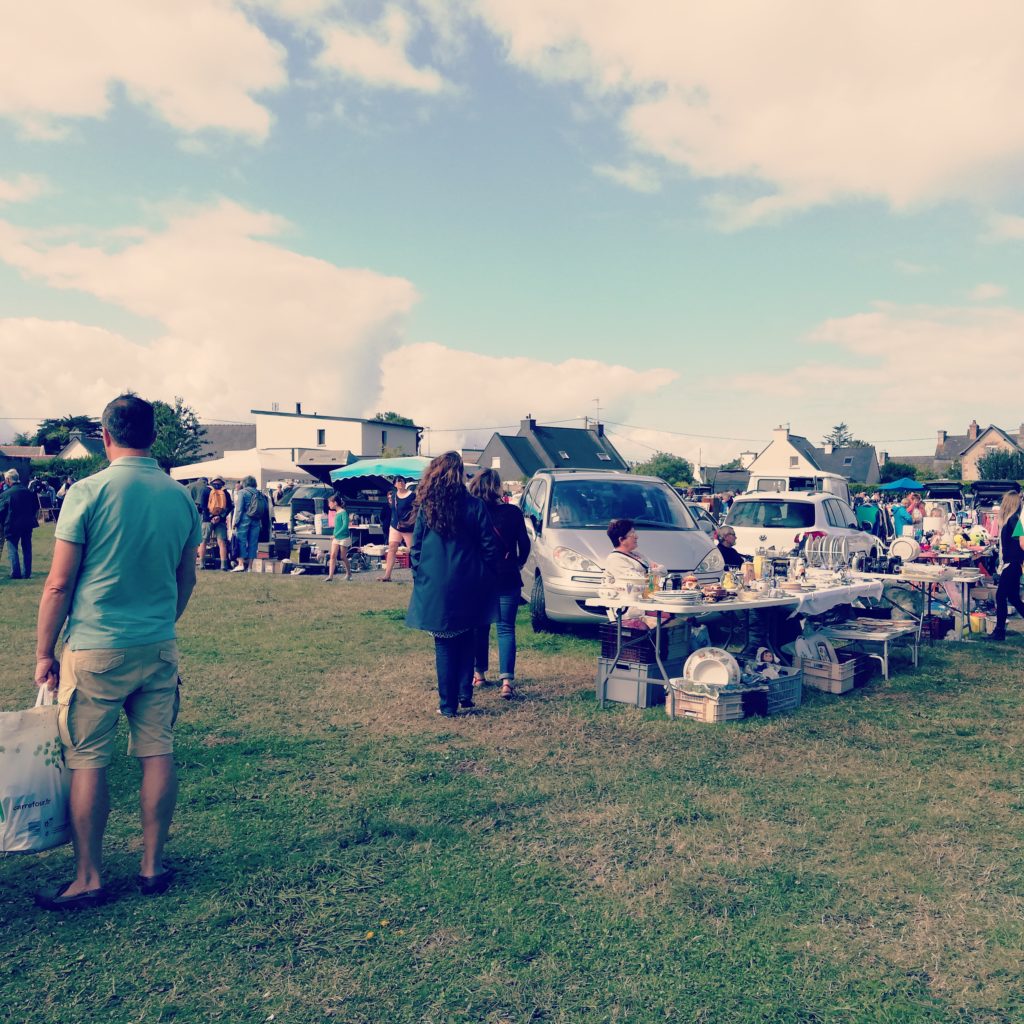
507,690
481,681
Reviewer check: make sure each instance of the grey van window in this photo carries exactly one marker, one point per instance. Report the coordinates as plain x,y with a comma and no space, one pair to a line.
770,514
593,504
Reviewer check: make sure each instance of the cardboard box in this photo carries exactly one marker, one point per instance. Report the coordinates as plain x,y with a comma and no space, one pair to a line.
726,707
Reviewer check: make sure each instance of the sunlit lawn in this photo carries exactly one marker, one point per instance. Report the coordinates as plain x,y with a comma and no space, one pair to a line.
347,855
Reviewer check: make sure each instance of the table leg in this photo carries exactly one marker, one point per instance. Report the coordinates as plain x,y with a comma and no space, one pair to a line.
618,651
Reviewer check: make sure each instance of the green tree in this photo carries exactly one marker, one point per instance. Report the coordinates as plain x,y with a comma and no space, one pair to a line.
731,464
1001,465
955,471
673,468
55,470
842,437
896,471
24,440
393,417
179,434
53,434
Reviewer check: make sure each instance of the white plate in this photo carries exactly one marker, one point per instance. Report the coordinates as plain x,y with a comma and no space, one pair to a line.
904,547
712,665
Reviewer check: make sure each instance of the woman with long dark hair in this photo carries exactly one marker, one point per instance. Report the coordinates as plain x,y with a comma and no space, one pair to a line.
454,559
514,545
1011,539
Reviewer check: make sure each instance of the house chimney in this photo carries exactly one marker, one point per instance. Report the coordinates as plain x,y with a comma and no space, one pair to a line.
942,438
883,457
526,426
1020,433
298,408
829,448
972,431
781,433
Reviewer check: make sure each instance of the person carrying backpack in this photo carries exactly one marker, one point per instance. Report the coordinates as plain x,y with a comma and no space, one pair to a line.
251,509
215,508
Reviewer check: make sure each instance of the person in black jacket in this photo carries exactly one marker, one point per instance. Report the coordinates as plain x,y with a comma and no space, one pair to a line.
454,560
1012,544
514,545
19,516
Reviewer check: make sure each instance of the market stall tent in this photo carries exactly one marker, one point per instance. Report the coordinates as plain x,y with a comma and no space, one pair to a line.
409,466
903,484
266,466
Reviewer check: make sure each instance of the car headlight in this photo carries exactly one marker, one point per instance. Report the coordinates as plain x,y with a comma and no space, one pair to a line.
566,558
713,562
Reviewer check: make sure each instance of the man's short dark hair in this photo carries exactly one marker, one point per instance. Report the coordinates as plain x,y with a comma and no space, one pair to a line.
130,421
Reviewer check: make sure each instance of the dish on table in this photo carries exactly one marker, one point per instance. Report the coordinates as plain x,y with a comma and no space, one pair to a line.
712,666
905,548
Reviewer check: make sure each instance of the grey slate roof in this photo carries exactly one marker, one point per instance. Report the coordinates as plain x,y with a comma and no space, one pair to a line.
580,444
522,451
952,447
93,445
806,449
227,437
835,462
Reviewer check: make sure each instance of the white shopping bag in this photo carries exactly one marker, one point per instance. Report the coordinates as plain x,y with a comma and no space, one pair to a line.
34,783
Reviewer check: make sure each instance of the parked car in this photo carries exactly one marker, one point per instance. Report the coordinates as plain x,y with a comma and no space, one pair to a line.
567,515
782,519
705,521
299,504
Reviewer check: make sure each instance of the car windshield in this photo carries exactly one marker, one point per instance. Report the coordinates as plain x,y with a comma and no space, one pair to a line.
593,504
771,514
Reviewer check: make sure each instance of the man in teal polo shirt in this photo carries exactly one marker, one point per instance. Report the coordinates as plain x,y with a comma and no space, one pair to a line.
123,572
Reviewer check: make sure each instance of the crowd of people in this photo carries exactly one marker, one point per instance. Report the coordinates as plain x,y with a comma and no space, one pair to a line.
125,565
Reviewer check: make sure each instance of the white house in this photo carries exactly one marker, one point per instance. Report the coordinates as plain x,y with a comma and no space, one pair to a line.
309,433
786,455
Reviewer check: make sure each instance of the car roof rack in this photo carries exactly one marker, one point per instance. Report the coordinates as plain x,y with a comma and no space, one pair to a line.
579,469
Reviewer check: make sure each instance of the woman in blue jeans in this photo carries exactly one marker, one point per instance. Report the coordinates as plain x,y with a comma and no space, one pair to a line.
454,559
514,545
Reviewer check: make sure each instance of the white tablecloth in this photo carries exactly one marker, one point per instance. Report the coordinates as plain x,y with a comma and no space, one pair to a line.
815,602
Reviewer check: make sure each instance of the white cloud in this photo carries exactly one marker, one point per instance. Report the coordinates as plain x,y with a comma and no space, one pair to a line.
23,189
376,55
444,388
240,320
912,269
986,291
634,176
817,102
1005,227
197,63
900,371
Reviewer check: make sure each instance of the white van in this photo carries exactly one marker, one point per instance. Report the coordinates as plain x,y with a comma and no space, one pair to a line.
815,483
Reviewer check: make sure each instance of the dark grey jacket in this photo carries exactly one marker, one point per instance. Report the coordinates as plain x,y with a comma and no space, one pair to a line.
19,511
454,578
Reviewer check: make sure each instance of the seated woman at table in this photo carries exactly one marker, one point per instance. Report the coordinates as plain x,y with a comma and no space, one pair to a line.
627,565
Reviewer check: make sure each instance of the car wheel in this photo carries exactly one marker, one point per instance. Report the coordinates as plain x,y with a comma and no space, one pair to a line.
538,609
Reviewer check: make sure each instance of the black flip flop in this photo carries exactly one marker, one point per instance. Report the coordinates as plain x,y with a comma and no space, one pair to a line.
54,899
155,885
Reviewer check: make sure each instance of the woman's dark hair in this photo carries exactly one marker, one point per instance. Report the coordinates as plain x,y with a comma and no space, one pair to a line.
338,500
441,493
618,529
130,421
487,487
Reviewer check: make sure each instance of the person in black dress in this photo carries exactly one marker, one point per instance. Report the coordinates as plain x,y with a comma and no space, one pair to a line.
1012,545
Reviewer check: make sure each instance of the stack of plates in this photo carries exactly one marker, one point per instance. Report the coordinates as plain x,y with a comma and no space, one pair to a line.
712,667
684,598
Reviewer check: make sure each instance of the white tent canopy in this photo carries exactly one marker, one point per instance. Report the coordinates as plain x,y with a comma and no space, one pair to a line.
266,466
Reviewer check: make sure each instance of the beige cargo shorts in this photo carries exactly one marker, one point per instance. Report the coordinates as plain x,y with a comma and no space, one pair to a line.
96,685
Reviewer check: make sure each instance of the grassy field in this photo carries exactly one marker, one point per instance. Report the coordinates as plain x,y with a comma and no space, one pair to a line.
347,855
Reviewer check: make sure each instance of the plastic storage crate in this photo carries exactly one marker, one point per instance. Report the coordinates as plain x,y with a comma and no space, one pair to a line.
832,677
730,706
786,692
638,644
632,683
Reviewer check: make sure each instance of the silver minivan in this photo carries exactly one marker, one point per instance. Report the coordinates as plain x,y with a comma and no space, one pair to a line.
567,514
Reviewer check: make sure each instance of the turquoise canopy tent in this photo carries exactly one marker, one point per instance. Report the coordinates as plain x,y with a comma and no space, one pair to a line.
409,466
903,484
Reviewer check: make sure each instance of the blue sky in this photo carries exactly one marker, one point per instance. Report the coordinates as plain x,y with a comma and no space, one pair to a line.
713,221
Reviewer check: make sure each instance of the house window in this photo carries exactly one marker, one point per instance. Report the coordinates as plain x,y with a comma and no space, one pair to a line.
794,461
321,437
848,461
564,455
495,462
604,456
